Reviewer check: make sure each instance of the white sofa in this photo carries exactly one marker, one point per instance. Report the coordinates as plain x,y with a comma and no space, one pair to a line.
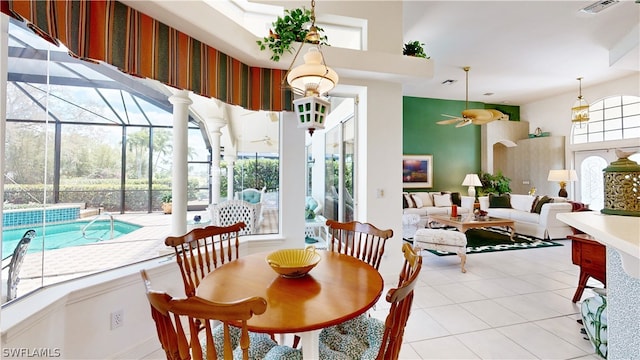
543,225
425,203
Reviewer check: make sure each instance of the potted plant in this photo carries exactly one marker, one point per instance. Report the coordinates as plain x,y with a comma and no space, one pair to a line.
494,184
288,30
166,199
414,48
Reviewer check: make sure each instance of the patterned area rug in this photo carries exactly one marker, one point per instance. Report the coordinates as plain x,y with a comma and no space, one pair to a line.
496,239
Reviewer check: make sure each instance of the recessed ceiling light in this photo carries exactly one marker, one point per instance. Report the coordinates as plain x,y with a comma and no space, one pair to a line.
448,82
598,6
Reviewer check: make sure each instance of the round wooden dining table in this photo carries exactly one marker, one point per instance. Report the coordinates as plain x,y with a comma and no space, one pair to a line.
339,288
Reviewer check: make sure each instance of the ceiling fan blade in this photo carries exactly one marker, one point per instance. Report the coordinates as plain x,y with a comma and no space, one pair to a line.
451,121
451,116
465,123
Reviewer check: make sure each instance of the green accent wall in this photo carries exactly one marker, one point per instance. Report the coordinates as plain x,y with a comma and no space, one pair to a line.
456,151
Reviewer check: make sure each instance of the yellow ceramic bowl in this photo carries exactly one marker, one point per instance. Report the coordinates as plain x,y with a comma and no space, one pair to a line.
293,263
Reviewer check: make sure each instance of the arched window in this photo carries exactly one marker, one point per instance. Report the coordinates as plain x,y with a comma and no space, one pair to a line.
612,118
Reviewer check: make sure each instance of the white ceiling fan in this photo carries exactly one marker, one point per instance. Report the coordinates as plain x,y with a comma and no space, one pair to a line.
266,139
472,116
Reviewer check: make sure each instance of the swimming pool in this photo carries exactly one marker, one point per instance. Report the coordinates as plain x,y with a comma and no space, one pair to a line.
63,235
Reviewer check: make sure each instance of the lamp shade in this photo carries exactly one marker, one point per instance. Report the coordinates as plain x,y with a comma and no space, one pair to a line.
562,175
314,77
471,180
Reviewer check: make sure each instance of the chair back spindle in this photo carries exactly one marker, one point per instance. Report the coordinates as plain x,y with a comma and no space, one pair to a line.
178,329
361,240
201,250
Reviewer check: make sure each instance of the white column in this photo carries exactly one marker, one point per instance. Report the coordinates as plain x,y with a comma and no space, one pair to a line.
231,161
181,102
215,124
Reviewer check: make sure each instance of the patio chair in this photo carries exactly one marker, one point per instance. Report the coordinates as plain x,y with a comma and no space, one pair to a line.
251,195
13,274
201,250
361,240
366,337
232,211
178,330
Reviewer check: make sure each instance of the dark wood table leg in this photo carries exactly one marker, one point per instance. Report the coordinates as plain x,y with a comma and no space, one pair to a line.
582,284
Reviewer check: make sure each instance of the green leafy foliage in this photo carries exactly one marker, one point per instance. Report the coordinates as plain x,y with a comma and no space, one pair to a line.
166,197
494,184
95,193
414,48
287,30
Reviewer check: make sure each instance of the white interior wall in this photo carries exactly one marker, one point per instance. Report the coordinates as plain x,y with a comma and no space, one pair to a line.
380,188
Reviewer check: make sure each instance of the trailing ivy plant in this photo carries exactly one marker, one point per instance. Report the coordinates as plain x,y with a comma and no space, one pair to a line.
288,30
414,48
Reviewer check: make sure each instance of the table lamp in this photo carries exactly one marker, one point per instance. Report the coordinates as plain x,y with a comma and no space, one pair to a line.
472,180
562,176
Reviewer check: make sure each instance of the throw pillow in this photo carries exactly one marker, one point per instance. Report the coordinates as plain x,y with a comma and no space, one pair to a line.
405,204
426,198
456,199
417,200
409,200
544,200
533,205
442,200
500,201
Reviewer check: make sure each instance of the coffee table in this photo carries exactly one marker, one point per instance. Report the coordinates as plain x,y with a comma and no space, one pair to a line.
466,222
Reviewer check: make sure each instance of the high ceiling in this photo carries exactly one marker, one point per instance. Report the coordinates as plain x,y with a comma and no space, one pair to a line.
520,51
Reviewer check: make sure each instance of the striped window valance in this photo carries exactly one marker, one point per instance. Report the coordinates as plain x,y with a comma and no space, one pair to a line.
109,31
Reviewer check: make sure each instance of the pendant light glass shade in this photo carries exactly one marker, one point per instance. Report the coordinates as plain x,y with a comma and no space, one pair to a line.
580,109
313,78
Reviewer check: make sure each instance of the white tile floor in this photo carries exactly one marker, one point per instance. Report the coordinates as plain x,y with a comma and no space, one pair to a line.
509,305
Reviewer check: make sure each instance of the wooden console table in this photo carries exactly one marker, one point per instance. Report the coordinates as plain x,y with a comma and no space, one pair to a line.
590,255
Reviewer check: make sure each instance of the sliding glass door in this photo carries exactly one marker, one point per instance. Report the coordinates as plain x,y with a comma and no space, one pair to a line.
339,171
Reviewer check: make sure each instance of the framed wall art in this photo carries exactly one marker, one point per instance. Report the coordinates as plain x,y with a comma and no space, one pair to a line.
417,171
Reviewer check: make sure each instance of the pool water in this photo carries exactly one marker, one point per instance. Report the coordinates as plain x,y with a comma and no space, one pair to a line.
59,236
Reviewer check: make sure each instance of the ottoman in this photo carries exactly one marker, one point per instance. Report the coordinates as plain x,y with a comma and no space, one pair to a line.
409,225
443,240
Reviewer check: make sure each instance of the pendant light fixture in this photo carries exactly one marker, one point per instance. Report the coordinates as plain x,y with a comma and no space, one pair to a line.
580,109
311,80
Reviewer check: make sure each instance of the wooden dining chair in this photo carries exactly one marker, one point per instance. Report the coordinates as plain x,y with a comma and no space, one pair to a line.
367,337
361,240
201,250
178,330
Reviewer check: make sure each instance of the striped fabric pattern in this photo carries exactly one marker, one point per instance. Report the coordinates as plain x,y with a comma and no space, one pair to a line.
109,31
